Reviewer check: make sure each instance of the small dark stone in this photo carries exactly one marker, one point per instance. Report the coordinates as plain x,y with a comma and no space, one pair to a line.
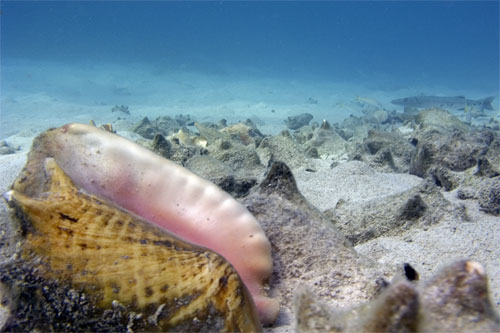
410,272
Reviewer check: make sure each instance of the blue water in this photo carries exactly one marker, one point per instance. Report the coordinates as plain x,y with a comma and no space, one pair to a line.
446,42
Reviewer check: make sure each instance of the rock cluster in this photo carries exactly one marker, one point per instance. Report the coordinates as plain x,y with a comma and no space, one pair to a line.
313,239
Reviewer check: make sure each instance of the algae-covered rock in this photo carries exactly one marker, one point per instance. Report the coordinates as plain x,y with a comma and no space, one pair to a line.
385,151
457,151
236,155
442,140
489,196
209,131
489,164
329,143
282,147
440,120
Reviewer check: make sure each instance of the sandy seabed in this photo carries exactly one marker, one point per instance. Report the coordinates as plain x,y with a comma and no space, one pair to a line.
39,96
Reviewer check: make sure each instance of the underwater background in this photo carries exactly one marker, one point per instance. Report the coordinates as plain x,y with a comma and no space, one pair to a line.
367,127
240,59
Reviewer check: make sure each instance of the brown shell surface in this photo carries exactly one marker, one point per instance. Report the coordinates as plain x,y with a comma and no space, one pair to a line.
113,255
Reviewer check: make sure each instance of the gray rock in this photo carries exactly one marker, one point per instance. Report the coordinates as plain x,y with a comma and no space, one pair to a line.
236,156
422,205
145,128
355,128
163,125
184,119
458,300
167,125
6,149
235,183
395,310
385,151
296,122
454,300
162,146
449,180
489,164
307,248
456,151
440,120
485,190
489,196
354,182
282,147
329,143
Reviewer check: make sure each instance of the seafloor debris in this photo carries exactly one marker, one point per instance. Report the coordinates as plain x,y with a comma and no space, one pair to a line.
85,264
307,248
107,127
5,148
121,108
296,122
164,125
455,300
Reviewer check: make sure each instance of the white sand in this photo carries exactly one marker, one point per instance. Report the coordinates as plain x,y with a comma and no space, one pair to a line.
10,166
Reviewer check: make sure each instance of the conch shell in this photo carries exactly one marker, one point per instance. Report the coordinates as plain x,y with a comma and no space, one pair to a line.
88,244
136,179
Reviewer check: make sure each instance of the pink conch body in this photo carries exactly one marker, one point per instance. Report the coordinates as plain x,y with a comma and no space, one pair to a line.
163,192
